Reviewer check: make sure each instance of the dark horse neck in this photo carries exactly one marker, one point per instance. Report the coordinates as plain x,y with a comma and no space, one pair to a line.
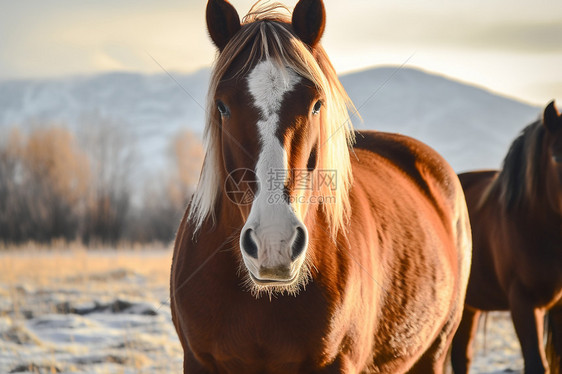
546,220
544,211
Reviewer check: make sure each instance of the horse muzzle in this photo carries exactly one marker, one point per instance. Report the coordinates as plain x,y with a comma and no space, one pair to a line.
274,256
277,276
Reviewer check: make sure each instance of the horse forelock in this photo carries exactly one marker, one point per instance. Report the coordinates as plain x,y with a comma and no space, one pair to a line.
520,177
266,33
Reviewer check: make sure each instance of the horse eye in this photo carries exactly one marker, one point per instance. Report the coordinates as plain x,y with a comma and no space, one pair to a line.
317,106
223,110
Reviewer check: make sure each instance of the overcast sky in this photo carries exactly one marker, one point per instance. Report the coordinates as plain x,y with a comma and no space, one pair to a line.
513,47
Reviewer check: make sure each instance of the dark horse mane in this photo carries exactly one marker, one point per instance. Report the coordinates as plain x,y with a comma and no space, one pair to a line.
519,177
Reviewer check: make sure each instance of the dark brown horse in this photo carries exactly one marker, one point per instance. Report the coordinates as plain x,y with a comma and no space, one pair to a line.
300,253
516,216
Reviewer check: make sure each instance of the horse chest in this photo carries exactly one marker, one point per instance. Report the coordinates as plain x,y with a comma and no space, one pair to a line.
245,334
538,269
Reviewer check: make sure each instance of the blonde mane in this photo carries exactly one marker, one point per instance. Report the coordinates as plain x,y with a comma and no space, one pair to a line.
266,28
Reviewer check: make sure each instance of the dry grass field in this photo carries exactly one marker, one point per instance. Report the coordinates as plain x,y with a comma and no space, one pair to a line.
68,310
65,309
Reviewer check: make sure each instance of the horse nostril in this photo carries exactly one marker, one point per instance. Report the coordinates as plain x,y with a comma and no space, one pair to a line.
249,245
299,244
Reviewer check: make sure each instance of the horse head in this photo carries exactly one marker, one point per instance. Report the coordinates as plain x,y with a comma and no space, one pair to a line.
274,98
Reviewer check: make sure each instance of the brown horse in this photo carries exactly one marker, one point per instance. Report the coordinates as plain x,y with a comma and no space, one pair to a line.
300,253
516,216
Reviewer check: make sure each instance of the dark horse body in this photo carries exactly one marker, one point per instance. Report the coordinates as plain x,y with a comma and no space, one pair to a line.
516,217
382,294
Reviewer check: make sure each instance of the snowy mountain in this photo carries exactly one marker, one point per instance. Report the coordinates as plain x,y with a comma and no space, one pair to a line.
471,127
151,109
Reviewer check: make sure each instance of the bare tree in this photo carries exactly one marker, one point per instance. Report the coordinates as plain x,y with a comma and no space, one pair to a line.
186,153
43,179
165,199
10,201
111,149
52,186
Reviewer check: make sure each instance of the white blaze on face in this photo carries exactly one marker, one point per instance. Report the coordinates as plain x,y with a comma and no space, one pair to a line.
271,218
268,83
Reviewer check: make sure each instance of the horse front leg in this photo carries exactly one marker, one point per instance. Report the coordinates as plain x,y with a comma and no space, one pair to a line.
529,326
462,349
554,341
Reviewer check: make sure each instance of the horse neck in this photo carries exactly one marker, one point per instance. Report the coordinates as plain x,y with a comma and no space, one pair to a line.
551,195
228,215
326,255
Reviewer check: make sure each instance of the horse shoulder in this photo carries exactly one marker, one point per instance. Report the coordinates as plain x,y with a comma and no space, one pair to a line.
423,229
418,162
195,252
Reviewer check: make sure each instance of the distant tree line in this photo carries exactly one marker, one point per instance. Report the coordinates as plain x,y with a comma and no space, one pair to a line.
58,185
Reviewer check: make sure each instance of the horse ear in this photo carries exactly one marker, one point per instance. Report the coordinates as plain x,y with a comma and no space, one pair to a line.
309,20
222,22
551,118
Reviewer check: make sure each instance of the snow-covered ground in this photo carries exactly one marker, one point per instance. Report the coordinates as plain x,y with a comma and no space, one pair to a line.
107,312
